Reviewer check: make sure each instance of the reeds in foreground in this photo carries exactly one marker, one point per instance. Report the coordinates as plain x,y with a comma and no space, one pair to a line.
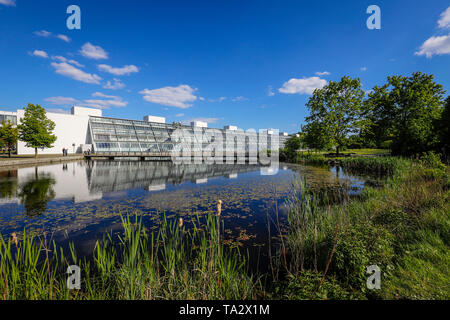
174,263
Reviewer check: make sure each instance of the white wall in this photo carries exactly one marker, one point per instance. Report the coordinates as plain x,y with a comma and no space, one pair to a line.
82,111
69,129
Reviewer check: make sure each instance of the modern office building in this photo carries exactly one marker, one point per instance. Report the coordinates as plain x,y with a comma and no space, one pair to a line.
85,129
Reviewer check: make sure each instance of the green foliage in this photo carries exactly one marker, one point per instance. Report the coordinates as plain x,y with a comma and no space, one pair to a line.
292,145
432,160
36,129
374,165
405,110
336,111
403,227
311,158
8,136
443,129
174,263
316,136
307,286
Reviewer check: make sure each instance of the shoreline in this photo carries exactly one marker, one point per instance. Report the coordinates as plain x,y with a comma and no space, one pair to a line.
33,161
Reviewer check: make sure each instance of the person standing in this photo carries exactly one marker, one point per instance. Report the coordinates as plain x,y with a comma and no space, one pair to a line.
63,151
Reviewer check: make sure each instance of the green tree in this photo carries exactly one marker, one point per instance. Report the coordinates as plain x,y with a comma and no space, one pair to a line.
316,136
36,129
336,110
405,111
291,146
443,129
8,136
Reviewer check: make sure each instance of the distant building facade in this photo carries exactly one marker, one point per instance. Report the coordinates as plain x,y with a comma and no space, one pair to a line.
85,129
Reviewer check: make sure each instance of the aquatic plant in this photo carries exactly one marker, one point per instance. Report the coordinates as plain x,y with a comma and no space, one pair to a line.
174,263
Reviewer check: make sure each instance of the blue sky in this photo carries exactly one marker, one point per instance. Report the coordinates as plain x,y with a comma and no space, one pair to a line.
248,63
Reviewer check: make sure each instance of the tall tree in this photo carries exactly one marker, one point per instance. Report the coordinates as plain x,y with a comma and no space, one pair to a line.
8,136
336,110
405,111
443,129
291,146
36,130
316,136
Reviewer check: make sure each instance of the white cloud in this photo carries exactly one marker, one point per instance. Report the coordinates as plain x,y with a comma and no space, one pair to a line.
46,34
61,101
11,3
40,53
324,73
179,115
63,59
240,98
435,46
70,71
102,95
90,51
63,37
201,99
116,84
118,71
171,96
270,92
302,86
104,104
363,68
43,33
444,21
218,100
111,101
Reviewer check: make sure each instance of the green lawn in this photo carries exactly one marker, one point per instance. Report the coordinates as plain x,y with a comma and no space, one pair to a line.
367,151
360,151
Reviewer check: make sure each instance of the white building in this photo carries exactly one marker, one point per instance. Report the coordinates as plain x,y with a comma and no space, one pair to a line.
71,130
86,129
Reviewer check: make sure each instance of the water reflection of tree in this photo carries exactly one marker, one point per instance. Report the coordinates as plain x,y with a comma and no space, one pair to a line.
8,184
36,193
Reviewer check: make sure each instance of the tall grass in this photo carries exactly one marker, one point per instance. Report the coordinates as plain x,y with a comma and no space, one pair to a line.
174,263
402,227
374,165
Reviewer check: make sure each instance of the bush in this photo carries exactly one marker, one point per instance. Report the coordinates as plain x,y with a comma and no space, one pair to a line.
432,160
305,286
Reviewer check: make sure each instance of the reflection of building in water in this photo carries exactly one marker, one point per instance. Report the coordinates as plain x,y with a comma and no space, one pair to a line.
107,176
70,182
89,180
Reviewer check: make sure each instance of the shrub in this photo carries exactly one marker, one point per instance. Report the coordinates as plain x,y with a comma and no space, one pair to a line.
432,160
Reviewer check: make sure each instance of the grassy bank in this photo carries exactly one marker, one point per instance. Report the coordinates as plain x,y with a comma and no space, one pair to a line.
402,227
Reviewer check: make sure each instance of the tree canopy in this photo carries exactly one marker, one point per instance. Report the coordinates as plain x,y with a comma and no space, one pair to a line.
335,112
8,136
36,130
405,110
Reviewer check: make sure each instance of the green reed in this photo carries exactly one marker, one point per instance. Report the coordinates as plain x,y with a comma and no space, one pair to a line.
176,262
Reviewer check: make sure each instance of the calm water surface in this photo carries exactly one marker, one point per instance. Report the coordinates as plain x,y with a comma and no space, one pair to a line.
79,201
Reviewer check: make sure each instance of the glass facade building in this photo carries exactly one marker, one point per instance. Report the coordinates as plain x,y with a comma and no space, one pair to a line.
111,135
7,117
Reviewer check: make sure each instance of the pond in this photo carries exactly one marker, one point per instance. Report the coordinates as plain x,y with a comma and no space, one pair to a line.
80,201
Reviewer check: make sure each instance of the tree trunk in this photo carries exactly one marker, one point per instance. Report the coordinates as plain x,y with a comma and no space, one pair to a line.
337,151
9,153
35,153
